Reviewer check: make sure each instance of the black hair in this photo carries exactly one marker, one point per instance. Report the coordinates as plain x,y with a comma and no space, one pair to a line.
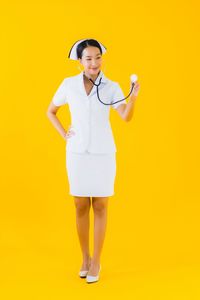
86,43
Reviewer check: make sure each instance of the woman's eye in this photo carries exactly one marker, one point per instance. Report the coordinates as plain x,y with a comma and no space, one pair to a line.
97,58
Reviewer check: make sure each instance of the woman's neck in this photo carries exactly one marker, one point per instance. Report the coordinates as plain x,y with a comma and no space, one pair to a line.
93,77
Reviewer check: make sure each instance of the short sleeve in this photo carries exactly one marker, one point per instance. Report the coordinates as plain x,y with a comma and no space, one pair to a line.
118,95
59,97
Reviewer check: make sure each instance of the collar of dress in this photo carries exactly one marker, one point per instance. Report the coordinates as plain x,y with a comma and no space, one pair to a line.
101,74
103,80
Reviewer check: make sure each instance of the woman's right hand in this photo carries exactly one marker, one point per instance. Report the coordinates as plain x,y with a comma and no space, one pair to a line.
69,133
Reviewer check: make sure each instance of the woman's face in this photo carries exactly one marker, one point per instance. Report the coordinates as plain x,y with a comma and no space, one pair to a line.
91,60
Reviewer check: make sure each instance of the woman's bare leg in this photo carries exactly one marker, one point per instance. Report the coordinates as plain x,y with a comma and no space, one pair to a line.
82,205
100,205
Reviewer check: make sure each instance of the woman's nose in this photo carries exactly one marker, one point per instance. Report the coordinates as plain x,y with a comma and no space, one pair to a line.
94,63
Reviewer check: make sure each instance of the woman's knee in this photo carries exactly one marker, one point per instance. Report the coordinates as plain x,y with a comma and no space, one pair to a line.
82,204
99,205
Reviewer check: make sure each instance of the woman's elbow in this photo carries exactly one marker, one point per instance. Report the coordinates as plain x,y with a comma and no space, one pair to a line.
127,119
49,114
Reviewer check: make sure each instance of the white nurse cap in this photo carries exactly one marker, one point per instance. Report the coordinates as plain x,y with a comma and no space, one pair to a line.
73,53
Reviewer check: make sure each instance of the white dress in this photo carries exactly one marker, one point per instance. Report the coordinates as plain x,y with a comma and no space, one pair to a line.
91,175
91,152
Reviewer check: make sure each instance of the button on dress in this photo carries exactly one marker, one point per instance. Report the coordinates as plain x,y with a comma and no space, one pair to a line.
91,151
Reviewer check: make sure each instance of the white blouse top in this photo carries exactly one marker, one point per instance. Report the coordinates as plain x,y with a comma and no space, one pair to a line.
89,117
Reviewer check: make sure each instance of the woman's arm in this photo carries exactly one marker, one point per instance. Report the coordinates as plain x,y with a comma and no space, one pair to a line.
126,110
51,114
129,109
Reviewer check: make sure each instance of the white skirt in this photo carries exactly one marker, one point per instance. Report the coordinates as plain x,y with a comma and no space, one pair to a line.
91,175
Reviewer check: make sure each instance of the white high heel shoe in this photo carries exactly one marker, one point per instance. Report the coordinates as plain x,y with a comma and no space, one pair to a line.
83,273
90,278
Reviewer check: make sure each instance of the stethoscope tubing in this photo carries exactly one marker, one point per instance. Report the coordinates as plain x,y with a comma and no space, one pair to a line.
97,85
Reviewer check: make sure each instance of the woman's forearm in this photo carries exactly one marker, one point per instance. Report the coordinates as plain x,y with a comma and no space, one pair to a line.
57,124
129,108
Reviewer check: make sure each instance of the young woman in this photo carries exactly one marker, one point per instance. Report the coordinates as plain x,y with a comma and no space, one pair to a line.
90,145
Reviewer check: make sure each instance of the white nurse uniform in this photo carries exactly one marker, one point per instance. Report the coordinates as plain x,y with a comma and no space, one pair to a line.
91,152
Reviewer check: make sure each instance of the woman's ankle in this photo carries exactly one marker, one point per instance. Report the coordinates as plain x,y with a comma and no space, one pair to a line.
95,261
86,258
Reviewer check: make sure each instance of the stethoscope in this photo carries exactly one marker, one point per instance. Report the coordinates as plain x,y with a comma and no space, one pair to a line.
133,80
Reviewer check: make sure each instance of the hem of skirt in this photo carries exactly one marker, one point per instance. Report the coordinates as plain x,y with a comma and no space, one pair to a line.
91,195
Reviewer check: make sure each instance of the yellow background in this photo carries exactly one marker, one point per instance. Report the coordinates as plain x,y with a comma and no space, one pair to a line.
151,249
